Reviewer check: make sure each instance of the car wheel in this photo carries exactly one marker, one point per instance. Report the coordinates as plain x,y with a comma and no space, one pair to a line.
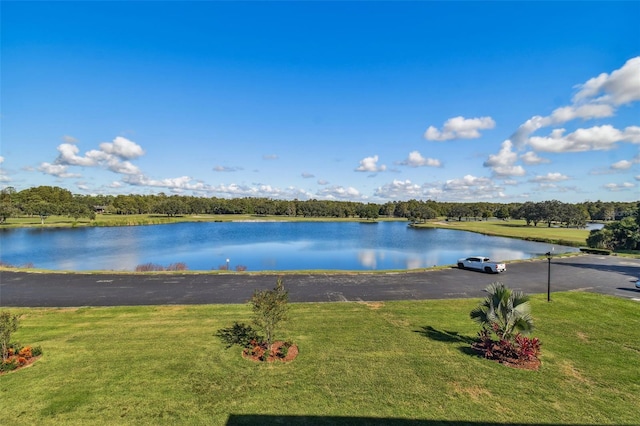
487,269
460,265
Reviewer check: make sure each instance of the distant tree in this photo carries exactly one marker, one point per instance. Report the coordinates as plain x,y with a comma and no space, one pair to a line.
368,211
171,206
530,212
601,238
6,211
459,211
503,213
77,210
623,234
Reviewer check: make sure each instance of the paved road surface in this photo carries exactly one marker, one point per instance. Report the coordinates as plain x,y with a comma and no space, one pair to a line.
602,274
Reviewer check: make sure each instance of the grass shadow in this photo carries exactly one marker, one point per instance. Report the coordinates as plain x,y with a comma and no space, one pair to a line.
444,336
450,337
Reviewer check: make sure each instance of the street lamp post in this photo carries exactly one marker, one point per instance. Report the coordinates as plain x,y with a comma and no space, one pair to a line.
227,264
548,254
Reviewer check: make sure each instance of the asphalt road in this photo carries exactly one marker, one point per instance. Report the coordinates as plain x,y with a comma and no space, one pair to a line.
602,274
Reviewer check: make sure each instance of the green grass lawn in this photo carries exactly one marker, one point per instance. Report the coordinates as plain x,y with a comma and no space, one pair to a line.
397,360
518,229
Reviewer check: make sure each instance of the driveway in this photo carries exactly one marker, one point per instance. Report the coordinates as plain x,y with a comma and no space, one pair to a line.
601,274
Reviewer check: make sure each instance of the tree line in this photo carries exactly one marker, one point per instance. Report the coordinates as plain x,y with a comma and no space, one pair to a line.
44,201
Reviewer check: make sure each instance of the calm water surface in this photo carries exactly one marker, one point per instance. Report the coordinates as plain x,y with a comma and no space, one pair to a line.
257,246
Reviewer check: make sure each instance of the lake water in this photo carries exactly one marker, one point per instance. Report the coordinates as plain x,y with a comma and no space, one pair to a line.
258,246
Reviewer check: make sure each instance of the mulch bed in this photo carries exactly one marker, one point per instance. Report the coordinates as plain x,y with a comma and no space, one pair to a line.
25,365
274,354
532,364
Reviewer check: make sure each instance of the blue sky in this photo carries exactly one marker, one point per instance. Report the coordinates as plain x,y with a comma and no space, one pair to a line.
361,101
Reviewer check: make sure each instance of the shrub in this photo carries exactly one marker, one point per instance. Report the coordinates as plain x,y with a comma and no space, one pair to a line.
504,311
18,356
179,266
269,308
506,314
8,325
154,267
149,267
8,364
241,268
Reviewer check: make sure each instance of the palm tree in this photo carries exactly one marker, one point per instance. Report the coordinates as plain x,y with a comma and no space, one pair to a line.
504,311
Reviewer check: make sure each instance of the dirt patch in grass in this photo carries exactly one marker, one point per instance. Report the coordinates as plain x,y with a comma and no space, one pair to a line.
569,370
475,392
582,336
373,305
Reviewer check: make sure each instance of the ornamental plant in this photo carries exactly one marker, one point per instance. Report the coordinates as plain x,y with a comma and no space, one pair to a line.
504,311
8,325
269,309
506,315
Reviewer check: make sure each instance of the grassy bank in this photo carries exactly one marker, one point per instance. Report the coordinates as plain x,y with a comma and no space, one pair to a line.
517,229
150,219
406,360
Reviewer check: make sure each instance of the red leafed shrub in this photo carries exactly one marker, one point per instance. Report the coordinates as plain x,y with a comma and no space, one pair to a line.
519,351
527,348
154,267
179,266
149,267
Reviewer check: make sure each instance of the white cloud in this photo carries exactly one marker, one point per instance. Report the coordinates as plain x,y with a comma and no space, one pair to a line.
597,98
323,182
632,134
459,128
112,156
473,188
615,187
625,164
226,169
531,158
269,157
1,159
585,112
58,170
550,177
306,175
122,148
416,159
181,183
622,165
398,190
122,167
69,156
503,163
597,138
620,87
341,193
370,164
69,139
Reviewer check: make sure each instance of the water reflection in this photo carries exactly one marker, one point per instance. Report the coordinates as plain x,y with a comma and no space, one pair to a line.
257,246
